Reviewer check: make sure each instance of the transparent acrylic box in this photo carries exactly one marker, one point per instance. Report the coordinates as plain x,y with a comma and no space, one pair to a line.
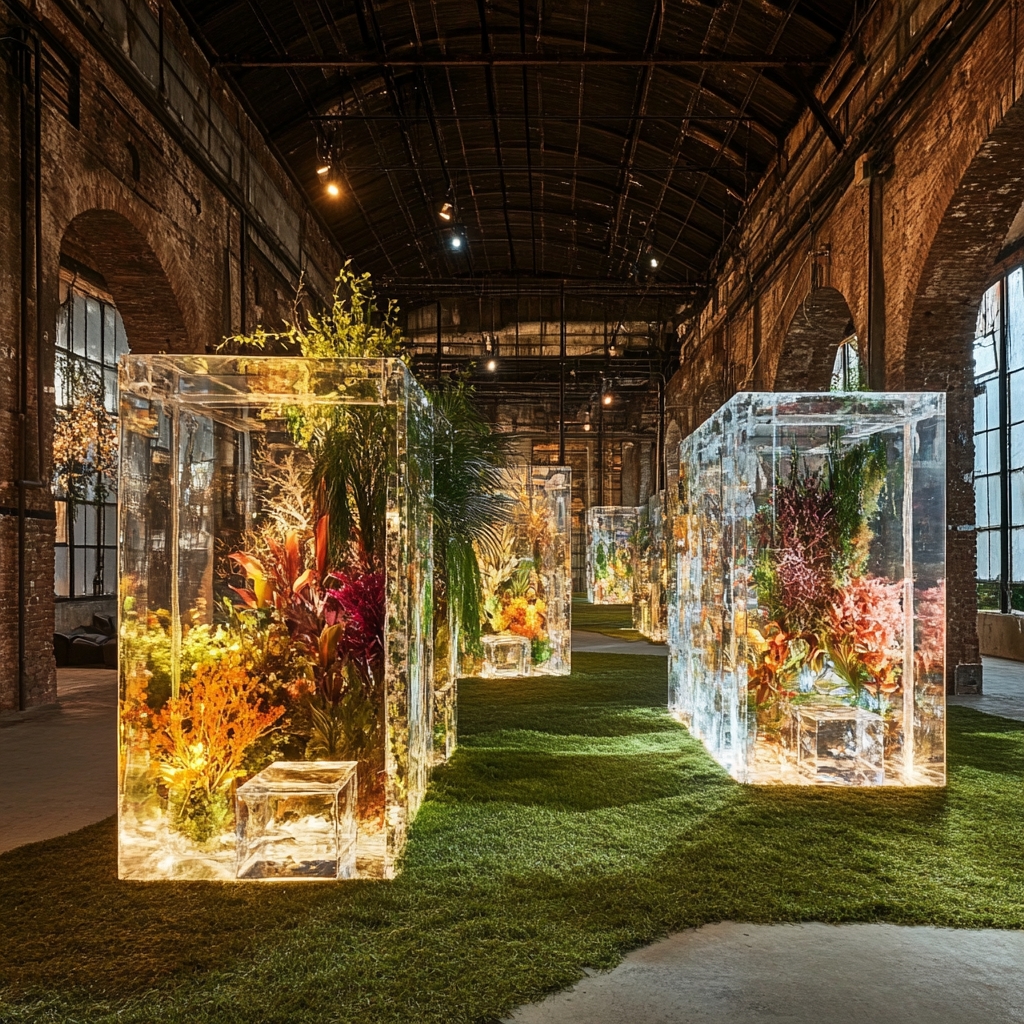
297,819
839,744
609,554
527,577
505,655
658,559
640,548
247,589
809,569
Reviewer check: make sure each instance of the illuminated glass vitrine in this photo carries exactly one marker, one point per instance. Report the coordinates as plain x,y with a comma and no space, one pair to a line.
527,580
640,553
609,554
275,612
807,629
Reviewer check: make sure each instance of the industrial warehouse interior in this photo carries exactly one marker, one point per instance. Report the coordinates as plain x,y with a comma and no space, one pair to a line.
542,484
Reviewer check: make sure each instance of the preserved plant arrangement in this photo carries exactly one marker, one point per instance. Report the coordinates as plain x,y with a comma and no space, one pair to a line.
276,589
650,569
610,554
807,629
526,576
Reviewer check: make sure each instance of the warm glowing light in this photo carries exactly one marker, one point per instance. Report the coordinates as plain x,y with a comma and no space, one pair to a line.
586,426
491,365
654,261
607,399
333,191
446,212
324,170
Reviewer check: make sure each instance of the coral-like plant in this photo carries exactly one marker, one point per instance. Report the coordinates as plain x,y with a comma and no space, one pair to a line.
864,636
200,739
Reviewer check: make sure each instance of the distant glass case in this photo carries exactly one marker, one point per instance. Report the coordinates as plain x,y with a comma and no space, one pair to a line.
610,532
276,579
658,561
527,580
640,551
807,627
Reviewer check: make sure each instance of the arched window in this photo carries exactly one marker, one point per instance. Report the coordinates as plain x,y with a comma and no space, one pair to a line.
847,370
999,444
89,339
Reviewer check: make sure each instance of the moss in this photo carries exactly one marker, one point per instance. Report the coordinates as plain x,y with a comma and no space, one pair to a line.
576,821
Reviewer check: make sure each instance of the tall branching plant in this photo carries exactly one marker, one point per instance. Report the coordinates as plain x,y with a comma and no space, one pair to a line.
469,508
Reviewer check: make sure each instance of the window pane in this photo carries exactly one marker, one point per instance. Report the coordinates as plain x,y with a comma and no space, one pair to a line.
1017,498
992,400
110,571
981,502
1015,394
93,330
994,457
994,502
61,510
79,573
85,525
78,325
110,390
979,413
1017,554
110,525
121,345
61,339
1015,319
1017,446
108,335
61,579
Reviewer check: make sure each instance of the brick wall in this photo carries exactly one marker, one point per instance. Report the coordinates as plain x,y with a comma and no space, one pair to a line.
160,184
898,233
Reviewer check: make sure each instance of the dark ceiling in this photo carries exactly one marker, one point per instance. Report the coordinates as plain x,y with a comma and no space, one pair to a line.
577,139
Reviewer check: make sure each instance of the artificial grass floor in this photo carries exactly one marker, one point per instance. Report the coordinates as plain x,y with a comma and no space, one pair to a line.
576,821
615,620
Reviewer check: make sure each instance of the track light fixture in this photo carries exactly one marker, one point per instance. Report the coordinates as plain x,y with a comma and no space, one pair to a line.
456,242
492,365
654,263
606,399
446,212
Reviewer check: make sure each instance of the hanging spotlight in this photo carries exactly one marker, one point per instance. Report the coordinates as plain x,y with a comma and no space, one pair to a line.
446,211
323,170
607,399
586,426
456,242
654,262
492,365
333,190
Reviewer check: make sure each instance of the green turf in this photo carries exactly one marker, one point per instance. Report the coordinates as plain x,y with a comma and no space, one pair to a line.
576,821
614,620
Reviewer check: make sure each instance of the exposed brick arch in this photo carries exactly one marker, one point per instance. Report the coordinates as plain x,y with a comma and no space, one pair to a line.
817,329
940,339
109,243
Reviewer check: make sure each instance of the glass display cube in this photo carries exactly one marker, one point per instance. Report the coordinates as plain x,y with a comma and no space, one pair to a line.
640,549
527,576
276,595
609,554
505,654
297,819
658,567
807,619
839,744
